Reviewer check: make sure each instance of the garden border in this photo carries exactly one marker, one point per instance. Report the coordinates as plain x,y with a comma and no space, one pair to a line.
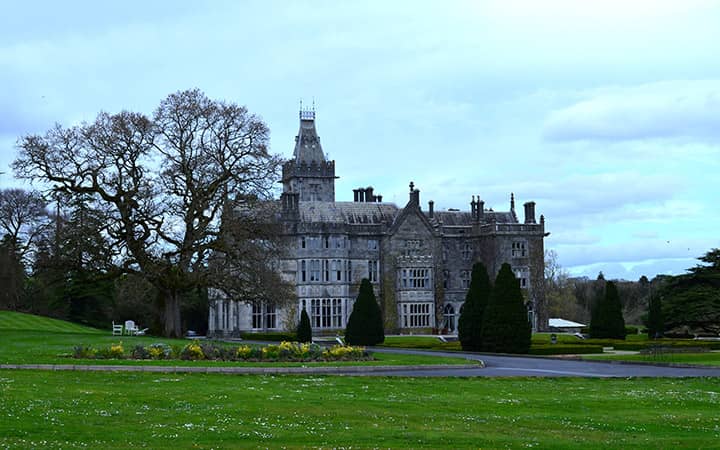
238,370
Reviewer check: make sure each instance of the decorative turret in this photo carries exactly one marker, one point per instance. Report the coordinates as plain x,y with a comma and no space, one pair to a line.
309,173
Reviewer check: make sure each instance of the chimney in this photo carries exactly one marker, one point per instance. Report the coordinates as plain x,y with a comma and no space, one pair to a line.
530,212
356,196
480,210
473,210
414,195
378,198
431,206
369,194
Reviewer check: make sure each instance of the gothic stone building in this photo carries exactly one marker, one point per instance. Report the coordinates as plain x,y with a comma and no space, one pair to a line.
419,260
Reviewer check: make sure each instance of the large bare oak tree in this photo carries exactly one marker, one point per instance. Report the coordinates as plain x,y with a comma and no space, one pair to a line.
164,183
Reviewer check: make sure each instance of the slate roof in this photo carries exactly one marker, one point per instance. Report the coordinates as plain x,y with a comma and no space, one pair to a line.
464,218
307,143
348,212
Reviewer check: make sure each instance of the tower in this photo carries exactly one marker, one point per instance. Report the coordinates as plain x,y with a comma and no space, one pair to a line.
309,174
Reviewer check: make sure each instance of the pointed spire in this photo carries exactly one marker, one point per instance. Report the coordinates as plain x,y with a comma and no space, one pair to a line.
512,201
307,142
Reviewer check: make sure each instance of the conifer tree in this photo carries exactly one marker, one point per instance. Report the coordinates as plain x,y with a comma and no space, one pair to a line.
506,328
471,315
655,323
365,325
607,321
304,330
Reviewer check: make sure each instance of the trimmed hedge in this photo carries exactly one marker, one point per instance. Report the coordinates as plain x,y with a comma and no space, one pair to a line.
564,349
270,336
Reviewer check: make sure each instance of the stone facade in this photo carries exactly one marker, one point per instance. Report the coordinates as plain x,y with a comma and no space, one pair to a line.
419,261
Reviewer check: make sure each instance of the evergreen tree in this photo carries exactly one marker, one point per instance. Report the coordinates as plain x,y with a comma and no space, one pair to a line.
607,320
365,325
304,330
471,315
12,274
655,322
506,328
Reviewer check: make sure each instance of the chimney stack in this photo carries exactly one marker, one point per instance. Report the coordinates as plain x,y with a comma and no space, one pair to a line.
530,212
414,195
480,210
431,208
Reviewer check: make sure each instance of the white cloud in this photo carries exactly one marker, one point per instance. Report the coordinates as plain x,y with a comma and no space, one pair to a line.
685,110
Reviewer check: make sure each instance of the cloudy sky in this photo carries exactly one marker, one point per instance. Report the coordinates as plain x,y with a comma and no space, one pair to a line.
605,113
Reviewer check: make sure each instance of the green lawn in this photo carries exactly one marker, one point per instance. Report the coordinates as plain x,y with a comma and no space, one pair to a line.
10,320
705,358
122,410
422,342
27,339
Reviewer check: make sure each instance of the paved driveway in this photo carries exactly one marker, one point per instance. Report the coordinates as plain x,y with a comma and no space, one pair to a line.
517,366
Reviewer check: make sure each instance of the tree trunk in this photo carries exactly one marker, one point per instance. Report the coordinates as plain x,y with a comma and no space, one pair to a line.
171,315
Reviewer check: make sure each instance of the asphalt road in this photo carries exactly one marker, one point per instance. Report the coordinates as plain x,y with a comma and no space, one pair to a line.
517,366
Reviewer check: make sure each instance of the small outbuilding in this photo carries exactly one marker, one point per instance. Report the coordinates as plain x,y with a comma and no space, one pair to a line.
565,326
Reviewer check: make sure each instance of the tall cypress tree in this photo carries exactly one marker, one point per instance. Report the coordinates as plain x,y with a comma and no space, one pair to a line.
506,328
607,321
304,330
365,325
471,316
655,323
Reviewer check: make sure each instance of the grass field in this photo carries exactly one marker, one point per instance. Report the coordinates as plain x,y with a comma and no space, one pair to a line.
704,359
49,409
123,410
27,339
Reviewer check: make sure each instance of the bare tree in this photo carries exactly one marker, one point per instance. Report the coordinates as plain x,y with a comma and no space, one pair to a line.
23,219
163,184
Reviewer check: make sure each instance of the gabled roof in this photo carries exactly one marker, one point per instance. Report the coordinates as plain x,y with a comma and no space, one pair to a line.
412,207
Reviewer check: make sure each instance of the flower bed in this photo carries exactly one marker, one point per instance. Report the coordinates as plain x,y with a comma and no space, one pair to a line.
194,351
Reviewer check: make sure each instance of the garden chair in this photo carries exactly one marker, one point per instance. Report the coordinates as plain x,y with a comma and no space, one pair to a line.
130,328
117,329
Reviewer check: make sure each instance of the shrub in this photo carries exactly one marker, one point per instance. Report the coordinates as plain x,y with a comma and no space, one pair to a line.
211,351
140,352
607,320
271,352
506,328
471,314
342,352
246,352
629,329
192,351
564,349
116,351
365,325
159,351
655,320
84,352
304,331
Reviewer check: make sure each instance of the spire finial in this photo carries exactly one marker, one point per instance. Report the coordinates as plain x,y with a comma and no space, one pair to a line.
512,201
412,186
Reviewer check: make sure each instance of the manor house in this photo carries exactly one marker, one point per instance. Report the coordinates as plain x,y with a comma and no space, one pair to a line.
418,259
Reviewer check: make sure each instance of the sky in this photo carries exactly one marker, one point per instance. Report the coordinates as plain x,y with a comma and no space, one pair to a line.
605,113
